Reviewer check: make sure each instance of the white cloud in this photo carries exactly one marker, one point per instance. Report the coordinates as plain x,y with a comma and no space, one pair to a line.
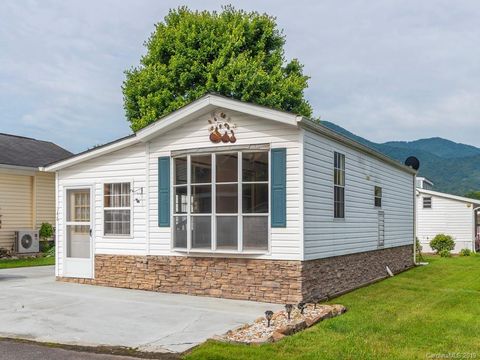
386,70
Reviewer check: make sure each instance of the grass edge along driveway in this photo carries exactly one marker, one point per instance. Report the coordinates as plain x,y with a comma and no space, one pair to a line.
431,312
15,263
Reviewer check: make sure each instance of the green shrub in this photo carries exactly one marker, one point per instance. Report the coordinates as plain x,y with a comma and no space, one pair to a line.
445,253
465,252
442,242
50,252
46,231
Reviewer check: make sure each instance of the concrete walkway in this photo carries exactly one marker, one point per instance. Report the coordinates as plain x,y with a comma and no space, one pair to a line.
34,306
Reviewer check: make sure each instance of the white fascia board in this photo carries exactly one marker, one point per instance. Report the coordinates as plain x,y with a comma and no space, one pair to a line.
183,114
312,126
210,103
188,112
449,196
91,154
254,110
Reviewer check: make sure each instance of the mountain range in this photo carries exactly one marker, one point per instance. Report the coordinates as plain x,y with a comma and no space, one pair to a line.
453,167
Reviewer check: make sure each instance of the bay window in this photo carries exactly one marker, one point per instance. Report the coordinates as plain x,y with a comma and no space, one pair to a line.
221,201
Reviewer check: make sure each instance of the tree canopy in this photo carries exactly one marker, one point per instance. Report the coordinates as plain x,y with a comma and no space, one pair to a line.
232,52
473,195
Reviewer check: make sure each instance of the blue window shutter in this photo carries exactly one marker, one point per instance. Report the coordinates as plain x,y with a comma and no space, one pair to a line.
164,191
278,187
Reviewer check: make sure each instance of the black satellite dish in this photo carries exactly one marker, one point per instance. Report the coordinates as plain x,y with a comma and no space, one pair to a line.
412,162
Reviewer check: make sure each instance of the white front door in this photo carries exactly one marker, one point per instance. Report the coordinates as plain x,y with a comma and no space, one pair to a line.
78,249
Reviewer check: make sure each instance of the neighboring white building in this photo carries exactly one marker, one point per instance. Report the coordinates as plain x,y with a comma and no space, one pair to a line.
441,213
424,183
230,199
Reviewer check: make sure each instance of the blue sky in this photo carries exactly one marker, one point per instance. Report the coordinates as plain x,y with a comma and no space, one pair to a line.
386,70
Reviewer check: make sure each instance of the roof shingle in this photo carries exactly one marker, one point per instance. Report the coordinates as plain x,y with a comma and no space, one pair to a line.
22,151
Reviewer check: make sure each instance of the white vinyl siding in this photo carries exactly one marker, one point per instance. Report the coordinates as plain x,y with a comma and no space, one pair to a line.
129,165
125,165
309,193
447,216
285,242
325,236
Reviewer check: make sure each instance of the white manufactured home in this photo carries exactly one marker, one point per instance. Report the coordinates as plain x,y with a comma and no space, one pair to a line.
441,213
230,199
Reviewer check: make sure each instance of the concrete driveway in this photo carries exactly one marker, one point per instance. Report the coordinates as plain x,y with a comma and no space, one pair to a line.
34,306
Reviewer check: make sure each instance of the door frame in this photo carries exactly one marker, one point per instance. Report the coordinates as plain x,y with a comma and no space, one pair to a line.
65,259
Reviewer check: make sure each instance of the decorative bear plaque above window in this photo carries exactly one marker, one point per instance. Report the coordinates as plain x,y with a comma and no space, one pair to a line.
221,129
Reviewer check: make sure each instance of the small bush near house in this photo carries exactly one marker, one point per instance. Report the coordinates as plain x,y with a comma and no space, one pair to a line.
445,253
46,231
442,242
50,252
465,252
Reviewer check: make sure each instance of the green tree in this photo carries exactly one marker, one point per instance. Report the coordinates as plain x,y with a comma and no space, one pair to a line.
473,195
232,52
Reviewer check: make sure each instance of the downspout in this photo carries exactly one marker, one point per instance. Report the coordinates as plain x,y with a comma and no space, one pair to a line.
415,219
475,228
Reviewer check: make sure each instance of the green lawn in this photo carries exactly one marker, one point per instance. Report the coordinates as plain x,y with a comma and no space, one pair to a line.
429,311
14,263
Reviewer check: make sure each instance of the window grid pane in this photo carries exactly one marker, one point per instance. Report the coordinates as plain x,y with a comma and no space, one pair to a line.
339,185
117,211
197,209
378,196
227,232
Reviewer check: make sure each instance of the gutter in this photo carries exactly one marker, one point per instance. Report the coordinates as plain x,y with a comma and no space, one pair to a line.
323,130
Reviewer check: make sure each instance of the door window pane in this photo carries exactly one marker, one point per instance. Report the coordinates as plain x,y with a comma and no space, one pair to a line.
78,205
201,199
201,232
255,232
227,232
180,200
255,166
78,243
255,198
227,199
201,169
180,169
180,232
227,168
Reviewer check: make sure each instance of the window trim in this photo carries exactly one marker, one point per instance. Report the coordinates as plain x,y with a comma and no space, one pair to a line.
131,208
213,249
335,153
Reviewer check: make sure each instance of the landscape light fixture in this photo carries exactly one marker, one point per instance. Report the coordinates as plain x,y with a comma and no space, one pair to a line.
301,307
288,309
268,316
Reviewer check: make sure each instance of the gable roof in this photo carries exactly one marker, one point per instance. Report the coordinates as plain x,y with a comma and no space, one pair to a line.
209,103
449,196
27,152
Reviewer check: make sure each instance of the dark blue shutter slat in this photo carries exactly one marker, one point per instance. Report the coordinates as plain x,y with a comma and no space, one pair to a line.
164,191
279,187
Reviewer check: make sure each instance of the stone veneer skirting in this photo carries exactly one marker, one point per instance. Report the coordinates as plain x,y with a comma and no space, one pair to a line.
277,281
